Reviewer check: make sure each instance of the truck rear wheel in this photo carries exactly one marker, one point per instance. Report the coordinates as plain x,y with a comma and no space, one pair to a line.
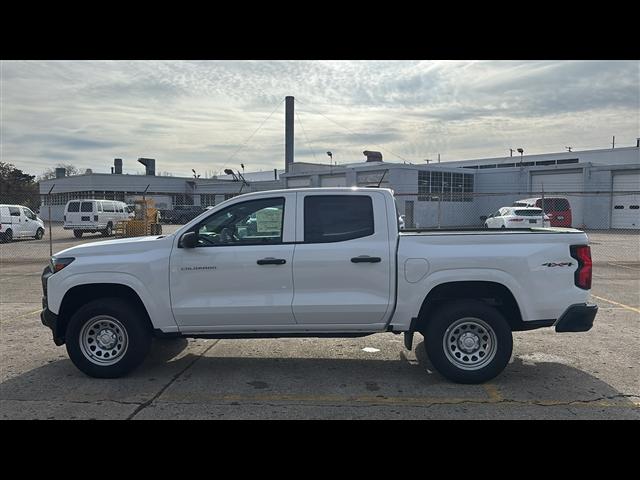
107,232
77,233
468,342
107,338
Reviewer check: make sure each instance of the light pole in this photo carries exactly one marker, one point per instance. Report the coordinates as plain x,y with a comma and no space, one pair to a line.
330,158
520,151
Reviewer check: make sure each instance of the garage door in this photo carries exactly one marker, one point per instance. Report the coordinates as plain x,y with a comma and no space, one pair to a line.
562,184
625,211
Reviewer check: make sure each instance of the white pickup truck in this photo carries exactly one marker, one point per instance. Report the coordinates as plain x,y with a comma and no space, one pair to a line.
327,262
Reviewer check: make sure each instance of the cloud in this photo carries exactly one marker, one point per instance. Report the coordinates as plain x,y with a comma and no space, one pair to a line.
204,114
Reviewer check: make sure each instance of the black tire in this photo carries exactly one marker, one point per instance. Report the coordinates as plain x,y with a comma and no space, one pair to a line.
130,318
107,232
8,236
39,234
77,233
503,226
500,337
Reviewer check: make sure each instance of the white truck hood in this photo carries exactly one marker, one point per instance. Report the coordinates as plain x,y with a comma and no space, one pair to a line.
121,245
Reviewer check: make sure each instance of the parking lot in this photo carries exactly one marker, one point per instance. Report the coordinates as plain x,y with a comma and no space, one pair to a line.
593,375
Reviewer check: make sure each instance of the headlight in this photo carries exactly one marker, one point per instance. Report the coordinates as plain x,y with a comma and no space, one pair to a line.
58,264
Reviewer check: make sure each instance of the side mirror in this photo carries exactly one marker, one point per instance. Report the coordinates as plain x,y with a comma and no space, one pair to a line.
189,240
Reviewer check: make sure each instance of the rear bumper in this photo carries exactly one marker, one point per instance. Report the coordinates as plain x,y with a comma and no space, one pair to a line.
577,318
87,228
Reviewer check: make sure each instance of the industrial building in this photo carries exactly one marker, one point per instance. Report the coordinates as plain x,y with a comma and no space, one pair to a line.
602,186
167,192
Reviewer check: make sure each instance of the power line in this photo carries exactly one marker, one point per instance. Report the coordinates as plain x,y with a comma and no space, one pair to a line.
251,136
307,138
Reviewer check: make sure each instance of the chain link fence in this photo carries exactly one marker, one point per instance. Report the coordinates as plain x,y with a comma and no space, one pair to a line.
611,219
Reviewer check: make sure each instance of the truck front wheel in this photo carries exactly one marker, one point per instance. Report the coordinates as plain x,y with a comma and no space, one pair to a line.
107,338
468,342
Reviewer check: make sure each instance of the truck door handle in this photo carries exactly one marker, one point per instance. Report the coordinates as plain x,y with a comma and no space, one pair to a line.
366,259
271,261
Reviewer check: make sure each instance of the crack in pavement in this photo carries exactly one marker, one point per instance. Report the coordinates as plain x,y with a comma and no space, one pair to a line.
406,402
145,404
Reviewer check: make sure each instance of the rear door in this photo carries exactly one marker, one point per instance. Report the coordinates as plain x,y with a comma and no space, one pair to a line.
86,213
342,260
72,213
17,224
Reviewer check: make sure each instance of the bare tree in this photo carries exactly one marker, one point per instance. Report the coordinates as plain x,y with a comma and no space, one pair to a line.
51,172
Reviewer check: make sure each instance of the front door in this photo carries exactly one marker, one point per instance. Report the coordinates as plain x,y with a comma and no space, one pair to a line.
30,225
240,273
342,268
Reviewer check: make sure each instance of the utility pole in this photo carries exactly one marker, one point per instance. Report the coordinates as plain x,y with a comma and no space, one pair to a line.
511,150
613,142
438,158
288,132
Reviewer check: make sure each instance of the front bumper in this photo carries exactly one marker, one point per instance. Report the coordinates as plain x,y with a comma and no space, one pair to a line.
47,317
577,318
50,319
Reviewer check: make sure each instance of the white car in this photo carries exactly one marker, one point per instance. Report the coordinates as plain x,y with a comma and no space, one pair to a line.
91,216
517,217
18,221
318,262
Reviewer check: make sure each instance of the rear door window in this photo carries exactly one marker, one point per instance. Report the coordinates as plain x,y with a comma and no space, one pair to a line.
561,205
337,218
73,207
86,207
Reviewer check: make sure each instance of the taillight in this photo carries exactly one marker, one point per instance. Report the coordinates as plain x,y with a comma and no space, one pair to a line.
95,218
582,277
65,218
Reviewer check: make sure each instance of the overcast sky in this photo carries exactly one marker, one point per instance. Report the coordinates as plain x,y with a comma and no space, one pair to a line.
198,114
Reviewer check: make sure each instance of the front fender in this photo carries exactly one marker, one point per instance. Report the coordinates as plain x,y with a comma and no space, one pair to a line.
158,307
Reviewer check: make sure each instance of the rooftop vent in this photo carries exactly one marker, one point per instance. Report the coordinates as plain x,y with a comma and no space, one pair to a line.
373,156
150,165
61,172
117,165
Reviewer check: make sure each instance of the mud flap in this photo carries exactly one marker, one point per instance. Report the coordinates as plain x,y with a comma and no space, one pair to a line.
408,339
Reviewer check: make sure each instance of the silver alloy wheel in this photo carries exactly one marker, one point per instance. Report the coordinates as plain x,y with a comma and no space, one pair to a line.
103,340
470,343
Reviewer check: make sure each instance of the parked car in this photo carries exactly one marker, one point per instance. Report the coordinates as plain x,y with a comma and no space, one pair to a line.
517,217
91,216
180,214
18,221
355,274
558,209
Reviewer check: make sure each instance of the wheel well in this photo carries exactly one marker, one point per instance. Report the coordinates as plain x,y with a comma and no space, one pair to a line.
83,294
491,293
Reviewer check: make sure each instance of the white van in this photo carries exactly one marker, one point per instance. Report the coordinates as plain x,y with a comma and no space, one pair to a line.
18,221
91,216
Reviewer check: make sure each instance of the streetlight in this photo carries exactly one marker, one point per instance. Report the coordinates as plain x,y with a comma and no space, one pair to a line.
520,151
330,158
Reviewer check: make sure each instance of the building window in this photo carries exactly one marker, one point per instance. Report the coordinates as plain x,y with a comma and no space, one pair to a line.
207,199
445,186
